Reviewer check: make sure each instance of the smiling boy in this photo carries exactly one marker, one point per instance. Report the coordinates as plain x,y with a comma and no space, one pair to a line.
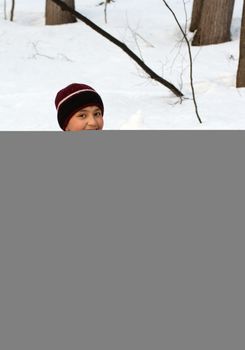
79,107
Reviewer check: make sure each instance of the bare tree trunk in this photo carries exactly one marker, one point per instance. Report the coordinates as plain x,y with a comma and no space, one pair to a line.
5,9
241,67
12,11
55,15
215,23
196,14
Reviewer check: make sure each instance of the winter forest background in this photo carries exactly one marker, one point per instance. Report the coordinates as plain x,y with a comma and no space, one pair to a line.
43,49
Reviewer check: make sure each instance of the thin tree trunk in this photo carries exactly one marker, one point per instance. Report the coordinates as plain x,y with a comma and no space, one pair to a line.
215,23
12,11
55,15
5,9
196,14
241,67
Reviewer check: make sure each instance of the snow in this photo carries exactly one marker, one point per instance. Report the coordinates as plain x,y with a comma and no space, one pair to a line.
37,60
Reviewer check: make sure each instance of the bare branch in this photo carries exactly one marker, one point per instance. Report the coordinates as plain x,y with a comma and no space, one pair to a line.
134,35
37,53
115,41
190,57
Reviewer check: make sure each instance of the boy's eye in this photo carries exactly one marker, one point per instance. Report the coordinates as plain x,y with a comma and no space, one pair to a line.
83,116
98,114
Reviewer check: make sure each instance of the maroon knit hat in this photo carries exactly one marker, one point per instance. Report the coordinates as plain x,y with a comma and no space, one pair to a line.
74,97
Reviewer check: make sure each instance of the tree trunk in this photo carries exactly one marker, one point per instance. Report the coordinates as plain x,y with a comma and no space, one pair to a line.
54,15
215,23
241,67
5,9
12,11
196,14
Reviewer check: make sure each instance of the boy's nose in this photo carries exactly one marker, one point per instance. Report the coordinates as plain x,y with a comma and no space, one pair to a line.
92,120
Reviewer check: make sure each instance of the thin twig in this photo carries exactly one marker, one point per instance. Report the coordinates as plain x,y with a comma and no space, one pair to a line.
59,56
185,16
105,11
37,53
190,56
145,41
134,35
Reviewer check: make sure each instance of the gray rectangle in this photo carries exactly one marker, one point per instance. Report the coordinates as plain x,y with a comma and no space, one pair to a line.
114,240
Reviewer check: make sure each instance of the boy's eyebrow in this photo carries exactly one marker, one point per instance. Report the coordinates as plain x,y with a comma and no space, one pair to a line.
85,110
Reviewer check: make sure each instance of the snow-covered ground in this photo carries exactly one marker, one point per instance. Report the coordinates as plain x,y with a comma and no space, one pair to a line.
37,60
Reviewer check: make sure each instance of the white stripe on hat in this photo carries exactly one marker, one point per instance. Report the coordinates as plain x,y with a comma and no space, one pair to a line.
74,93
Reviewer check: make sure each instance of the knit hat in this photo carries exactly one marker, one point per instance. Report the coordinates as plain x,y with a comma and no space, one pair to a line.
74,97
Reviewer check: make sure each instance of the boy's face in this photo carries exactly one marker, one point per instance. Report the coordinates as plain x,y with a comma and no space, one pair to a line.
88,118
